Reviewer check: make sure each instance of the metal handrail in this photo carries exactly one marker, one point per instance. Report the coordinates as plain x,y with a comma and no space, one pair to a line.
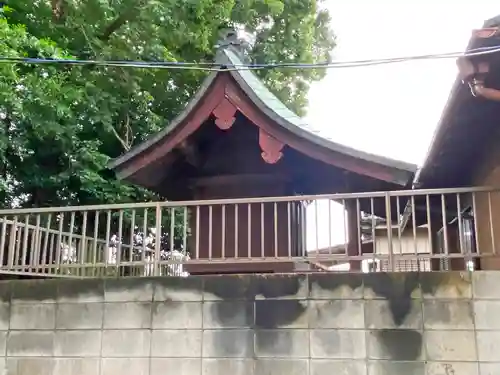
211,202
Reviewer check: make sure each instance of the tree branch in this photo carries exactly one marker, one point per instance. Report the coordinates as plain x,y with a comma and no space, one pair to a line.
128,15
127,142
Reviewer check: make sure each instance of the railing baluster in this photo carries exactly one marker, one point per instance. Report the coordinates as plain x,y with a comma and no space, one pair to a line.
276,250
445,227
35,252
429,224
388,212
460,228
197,232
330,250
262,232
145,258
108,257
249,230
83,245
210,234
25,242
289,230
12,243
157,255
236,241
118,255
172,229
374,235
492,230
59,243
70,249
223,229
132,238
358,233
476,230
185,227
2,242
95,258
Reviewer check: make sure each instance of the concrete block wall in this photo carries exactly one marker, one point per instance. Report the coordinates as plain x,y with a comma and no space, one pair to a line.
318,324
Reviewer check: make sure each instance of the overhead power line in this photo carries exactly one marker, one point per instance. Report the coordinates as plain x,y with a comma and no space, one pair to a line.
217,67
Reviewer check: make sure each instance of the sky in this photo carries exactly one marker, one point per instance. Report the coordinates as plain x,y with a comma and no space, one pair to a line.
390,110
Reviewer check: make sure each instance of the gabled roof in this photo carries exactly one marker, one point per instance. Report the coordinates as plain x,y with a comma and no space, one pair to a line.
395,171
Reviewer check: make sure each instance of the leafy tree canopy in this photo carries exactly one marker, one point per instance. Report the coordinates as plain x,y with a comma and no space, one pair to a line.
60,125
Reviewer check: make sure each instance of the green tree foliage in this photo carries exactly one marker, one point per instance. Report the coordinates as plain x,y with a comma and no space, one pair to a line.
60,125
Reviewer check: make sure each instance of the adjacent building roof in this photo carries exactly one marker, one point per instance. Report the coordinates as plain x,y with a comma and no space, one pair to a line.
395,171
465,126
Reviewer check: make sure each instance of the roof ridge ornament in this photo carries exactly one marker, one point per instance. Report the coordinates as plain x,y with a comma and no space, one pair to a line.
231,38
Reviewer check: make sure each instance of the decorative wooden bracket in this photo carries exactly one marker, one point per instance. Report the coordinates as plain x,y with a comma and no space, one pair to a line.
224,114
271,147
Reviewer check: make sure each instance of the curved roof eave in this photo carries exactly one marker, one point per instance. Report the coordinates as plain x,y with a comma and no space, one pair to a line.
270,105
115,163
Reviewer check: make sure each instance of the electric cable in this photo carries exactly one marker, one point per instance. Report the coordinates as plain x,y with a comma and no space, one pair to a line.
206,66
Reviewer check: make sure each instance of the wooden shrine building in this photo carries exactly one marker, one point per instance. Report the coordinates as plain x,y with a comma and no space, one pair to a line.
235,139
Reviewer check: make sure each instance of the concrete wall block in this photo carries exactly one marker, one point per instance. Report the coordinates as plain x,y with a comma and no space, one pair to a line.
30,344
393,314
80,315
281,367
329,367
392,286
81,291
33,316
176,343
177,366
3,343
492,368
85,343
395,368
399,345
343,314
129,290
337,344
31,366
281,286
177,315
127,315
448,315
228,314
485,284
450,345
338,286
76,366
446,284
221,366
488,345
452,368
281,313
125,366
282,343
225,287
486,314
36,291
4,316
126,343
180,289
228,343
